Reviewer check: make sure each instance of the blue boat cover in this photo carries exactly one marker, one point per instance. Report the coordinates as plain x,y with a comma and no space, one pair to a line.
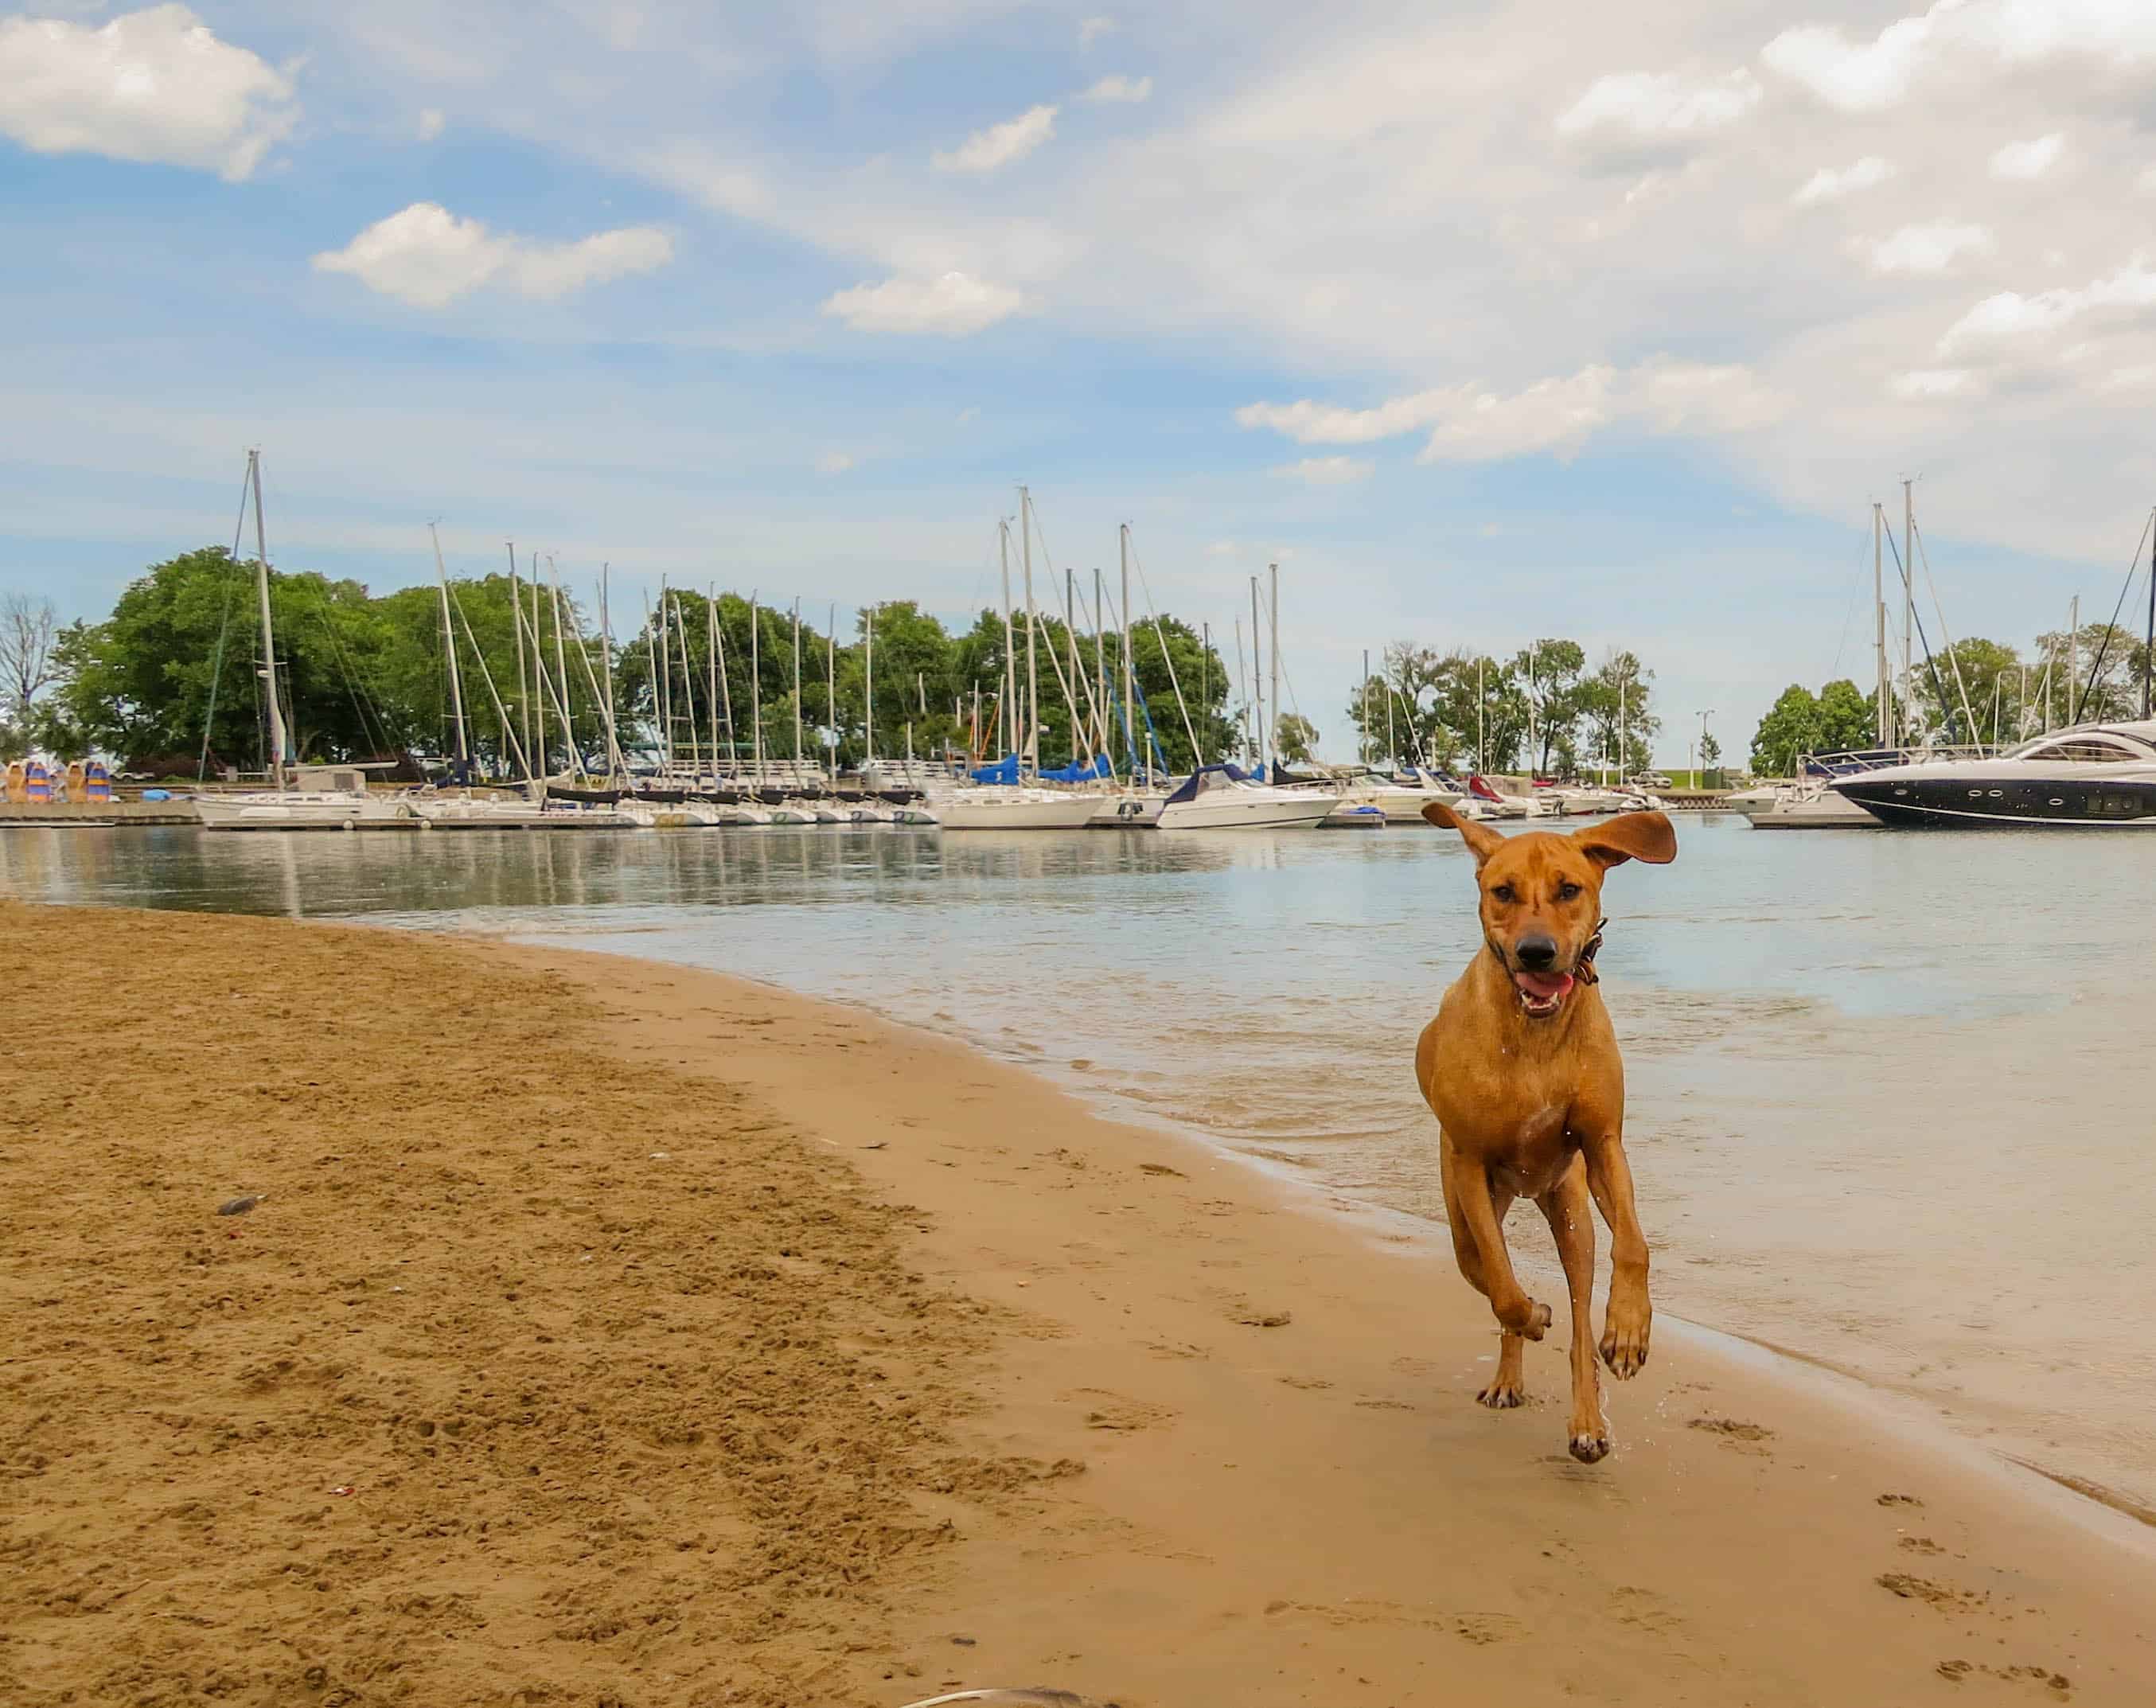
1003,771
1096,767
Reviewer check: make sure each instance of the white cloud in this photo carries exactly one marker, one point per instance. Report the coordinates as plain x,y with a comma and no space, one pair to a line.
2008,319
1222,548
999,145
1117,90
1923,384
431,124
1958,39
1472,423
1326,471
429,257
1828,184
2025,162
1634,115
155,86
1935,248
952,306
1091,29
833,463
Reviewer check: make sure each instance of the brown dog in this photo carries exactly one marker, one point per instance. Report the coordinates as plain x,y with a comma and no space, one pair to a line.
1522,1069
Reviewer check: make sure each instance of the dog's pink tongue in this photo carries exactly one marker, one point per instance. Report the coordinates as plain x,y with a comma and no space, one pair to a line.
1543,986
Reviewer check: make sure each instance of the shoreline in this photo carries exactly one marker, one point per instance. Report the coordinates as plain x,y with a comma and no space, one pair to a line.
1381,1223
1144,1426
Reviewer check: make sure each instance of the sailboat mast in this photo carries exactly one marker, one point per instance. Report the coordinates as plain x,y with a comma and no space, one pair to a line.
868,687
523,683
449,651
1030,732
756,682
2149,640
277,737
1886,719
1100,665
1204,679
606,669
561,669
1257,684
797,689
1007,713
710,650
665,688
538,665
1242,688
1273,741
1908,581
651,664
831,687
688,693
1130,738
1071,652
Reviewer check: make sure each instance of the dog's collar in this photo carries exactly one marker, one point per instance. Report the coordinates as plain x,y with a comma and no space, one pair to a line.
1583,969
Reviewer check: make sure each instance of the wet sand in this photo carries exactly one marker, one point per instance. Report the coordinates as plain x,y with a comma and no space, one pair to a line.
612,1332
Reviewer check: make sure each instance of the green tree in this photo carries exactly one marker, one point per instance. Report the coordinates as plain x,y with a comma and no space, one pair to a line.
1294,738
1790,729
1616,705
1548,673
1847,720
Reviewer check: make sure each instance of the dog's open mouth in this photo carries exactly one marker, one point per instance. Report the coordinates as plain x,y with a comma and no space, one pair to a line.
1541,994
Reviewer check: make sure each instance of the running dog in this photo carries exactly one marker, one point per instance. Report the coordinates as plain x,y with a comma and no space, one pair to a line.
1522,1069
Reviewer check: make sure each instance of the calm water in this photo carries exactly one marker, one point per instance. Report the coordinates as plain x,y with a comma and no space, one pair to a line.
1890,1095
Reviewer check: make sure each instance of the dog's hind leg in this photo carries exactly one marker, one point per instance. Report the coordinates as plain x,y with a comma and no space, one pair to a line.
1570,1212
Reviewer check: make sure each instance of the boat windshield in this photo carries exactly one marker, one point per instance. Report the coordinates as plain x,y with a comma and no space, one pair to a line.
2089,747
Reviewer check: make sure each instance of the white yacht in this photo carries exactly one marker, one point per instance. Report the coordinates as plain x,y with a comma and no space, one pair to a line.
995,807
1128,809
2100,776
1221,797
1810,805
323,798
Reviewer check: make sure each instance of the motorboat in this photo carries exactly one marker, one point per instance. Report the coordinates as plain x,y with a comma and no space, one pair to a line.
1802,805
792,813
2097,776
1497,804
914,813
1223,797
1354,815
326,797
994,807
1130,809
867,811
1401,799
1581,800
470,812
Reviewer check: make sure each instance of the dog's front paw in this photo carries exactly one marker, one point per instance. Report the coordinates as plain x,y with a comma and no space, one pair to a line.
1590,1446
1625,1332
1502,1395
1530,1319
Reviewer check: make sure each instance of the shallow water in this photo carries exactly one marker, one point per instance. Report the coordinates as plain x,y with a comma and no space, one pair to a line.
1890,1094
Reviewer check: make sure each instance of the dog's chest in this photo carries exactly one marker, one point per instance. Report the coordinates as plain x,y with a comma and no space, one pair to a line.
1510,1111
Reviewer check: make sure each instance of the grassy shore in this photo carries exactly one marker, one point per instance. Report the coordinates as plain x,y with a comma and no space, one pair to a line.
609,1332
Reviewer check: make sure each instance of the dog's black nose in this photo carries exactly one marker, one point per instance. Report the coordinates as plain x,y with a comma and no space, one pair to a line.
1538,952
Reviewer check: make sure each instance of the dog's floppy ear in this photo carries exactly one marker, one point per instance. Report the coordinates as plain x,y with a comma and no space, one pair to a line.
1630,836
1482,840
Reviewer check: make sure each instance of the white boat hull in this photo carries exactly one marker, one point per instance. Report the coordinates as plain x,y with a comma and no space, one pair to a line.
1041,810
1128,812
1821,810
294,810
1254,809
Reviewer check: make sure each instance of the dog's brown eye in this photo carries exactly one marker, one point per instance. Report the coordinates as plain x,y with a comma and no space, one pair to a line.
1505,892
1567,891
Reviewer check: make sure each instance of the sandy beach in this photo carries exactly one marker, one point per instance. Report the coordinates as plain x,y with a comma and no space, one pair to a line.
612,1333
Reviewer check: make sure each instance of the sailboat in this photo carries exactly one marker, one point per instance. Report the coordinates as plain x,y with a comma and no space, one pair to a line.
300,797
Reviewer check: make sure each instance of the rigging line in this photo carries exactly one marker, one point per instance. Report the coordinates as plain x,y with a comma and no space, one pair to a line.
1946,640
1841,645
1197,752
1931,664
223,624
2110,628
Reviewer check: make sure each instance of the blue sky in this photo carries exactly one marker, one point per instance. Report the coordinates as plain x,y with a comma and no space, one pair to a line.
1483,328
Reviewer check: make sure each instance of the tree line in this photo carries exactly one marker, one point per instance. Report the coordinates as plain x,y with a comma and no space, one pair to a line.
1973,691
169,681
1542,707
